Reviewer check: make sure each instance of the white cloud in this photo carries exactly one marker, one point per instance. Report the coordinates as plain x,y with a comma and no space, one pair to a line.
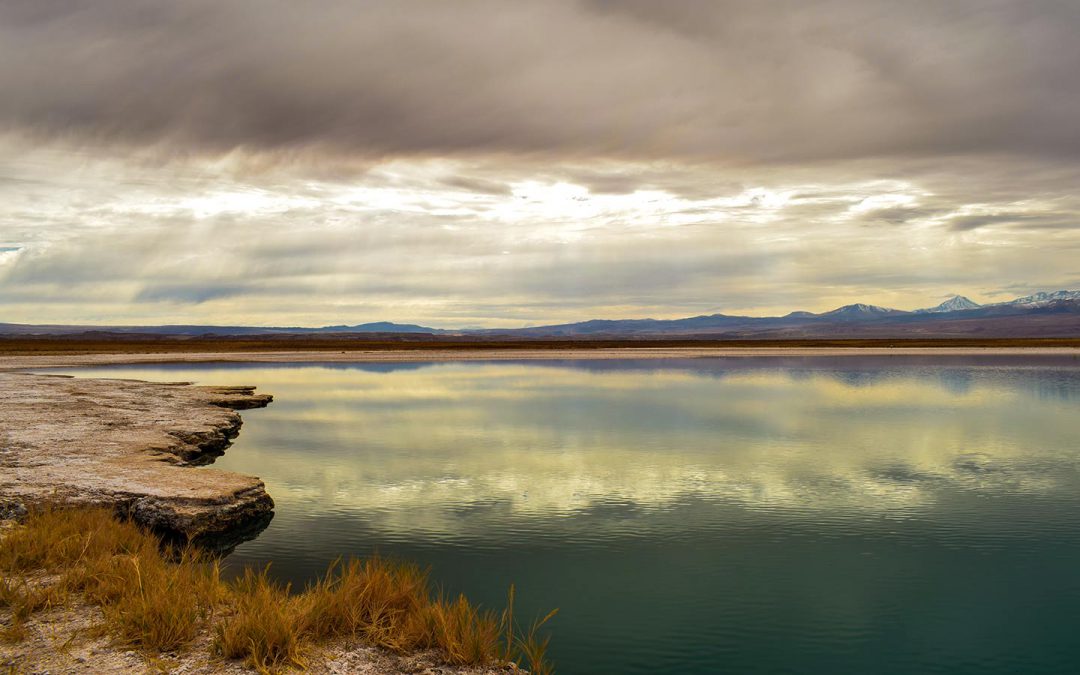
499,243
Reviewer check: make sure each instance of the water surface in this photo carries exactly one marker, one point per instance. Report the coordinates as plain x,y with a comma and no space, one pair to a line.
804,515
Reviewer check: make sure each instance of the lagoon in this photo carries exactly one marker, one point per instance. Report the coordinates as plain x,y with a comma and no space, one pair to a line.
745,515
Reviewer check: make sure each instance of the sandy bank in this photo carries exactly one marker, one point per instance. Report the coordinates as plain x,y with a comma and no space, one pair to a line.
25,362
126,444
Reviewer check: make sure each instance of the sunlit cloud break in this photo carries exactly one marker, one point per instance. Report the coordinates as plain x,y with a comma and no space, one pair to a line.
503,165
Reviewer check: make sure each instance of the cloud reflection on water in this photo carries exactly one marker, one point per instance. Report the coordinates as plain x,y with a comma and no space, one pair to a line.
446,448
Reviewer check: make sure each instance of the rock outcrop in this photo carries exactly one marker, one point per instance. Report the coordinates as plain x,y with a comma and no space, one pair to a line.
129,445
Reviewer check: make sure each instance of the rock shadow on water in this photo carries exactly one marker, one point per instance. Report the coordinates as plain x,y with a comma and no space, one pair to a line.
220,543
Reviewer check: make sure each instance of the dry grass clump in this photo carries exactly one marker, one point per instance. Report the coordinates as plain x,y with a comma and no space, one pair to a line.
463,632
158,598
385,603
162,605
149,601
266,627
57,539
379,601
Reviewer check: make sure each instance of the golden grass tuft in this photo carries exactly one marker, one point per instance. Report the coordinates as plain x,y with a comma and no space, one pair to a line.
164,605
265,628
464,633
374,599
55,539
159,599
385,603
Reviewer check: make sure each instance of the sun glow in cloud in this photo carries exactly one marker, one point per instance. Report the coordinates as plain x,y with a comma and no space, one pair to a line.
483,244
888,200
663,159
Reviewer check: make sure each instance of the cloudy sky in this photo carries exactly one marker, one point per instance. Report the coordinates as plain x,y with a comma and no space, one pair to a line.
500,164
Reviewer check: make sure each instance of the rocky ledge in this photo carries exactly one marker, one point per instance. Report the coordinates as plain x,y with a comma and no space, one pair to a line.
129,445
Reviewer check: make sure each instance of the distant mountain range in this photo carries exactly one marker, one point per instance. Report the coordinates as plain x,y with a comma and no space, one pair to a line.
1055,314
1041,315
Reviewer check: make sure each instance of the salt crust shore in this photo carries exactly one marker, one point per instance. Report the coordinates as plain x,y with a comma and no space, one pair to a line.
126,444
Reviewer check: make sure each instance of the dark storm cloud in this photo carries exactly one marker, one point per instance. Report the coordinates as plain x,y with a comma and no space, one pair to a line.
193,293
488,187
899,215
721,81
1027,220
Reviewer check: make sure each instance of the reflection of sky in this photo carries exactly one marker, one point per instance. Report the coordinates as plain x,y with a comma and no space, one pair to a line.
772,515
445,447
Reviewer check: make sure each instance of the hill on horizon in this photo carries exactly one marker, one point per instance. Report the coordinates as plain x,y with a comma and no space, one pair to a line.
1046,314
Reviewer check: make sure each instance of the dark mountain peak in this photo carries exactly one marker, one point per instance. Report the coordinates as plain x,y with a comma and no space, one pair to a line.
379,327
860,311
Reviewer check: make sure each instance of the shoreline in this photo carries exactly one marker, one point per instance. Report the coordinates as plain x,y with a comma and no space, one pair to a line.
26,362
131,446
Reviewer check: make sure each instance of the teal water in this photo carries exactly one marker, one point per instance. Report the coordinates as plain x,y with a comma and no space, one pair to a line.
843,515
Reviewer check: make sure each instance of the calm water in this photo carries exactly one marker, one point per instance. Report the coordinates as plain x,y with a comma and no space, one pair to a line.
844,515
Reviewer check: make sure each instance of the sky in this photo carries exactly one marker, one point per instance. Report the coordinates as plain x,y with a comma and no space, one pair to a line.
496,164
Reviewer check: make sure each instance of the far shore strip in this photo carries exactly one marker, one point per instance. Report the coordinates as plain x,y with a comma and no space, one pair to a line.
63,360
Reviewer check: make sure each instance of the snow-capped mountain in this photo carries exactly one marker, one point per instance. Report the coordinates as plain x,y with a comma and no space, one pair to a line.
956,303
1040,299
